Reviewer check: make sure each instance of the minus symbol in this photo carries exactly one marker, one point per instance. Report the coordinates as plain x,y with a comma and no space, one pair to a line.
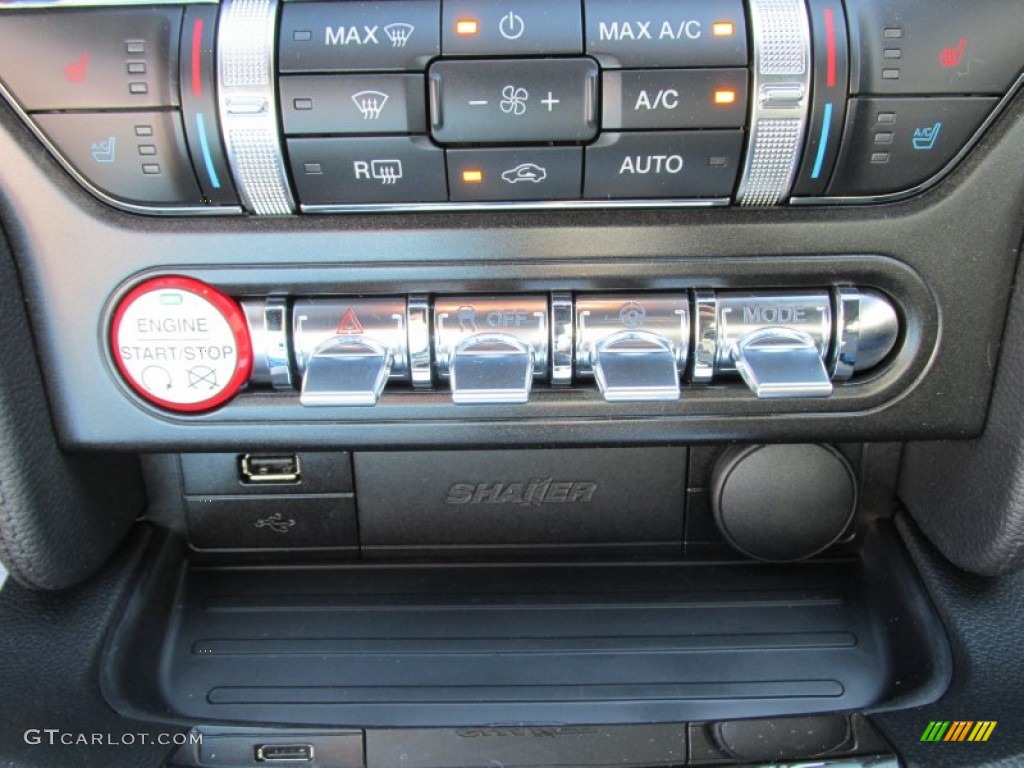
478,103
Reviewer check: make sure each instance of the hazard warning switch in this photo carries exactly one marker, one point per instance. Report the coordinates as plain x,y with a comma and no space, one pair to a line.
348,349
181,344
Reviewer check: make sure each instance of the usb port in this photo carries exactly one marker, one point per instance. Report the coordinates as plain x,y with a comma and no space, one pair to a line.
284,753
255,468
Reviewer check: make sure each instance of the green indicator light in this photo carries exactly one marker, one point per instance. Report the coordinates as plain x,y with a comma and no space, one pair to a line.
171,298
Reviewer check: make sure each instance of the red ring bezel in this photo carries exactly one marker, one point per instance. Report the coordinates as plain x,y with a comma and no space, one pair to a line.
228,308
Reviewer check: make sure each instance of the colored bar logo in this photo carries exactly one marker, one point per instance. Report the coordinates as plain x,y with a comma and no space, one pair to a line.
959,730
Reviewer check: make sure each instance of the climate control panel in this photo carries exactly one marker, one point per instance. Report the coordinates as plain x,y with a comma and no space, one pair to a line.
182,345
286,106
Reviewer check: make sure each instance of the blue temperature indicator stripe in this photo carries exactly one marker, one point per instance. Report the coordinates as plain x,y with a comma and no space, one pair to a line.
826,127
205,146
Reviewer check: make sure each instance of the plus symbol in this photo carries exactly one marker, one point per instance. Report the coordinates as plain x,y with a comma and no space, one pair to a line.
550,101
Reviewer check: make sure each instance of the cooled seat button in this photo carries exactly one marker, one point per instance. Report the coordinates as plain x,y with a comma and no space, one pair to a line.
891,145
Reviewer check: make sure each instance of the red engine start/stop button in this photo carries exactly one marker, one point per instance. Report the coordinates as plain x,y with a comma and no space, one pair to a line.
181,344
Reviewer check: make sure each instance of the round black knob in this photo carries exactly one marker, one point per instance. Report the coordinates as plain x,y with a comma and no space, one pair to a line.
783,502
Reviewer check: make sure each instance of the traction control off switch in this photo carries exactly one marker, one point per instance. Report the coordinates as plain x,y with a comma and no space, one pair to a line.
491,348
181,344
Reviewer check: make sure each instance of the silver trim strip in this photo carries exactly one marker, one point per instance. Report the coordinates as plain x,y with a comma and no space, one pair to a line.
846,333
780,100
417,324
561,338
276,324
705,335
564,205
247,100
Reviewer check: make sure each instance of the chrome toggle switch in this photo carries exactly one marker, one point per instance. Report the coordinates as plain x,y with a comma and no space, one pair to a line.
634,345
777,341
348,349
491,348
491,368
781,362
345,370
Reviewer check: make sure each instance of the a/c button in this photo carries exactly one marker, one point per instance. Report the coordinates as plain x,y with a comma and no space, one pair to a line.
664,164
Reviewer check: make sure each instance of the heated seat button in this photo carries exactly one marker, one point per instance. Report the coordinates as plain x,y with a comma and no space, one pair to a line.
513,100
508,27
91,59
136,157
663,164
534,173
942,46
674,98
667,33
353,104
360,36
368,170
891,145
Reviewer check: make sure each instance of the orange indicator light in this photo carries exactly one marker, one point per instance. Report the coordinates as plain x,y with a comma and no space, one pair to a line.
472,177
725,97
466,27
723,29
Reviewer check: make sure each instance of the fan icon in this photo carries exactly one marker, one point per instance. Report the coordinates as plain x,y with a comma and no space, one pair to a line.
513,100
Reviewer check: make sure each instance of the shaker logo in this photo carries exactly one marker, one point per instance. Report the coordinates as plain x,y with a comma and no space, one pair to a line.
533,493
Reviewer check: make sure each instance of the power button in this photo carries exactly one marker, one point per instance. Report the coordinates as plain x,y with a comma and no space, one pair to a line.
181,344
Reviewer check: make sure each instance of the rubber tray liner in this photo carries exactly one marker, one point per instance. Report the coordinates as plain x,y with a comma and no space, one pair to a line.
420,645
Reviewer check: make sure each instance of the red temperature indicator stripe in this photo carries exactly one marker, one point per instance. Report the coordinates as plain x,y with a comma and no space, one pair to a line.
830,48
197,49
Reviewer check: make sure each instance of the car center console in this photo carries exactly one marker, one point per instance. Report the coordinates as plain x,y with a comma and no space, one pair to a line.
471,310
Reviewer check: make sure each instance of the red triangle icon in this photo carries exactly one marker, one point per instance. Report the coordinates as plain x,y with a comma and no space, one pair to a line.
349,323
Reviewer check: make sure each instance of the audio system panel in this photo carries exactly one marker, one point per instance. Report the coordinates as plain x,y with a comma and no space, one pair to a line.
285,106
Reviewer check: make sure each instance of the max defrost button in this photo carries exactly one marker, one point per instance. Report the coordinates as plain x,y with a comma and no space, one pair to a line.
181,344
359,36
